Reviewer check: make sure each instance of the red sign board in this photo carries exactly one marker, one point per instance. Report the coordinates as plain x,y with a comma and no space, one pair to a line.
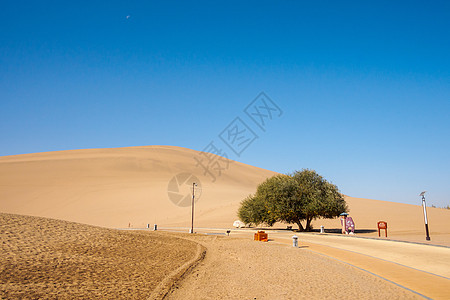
382,225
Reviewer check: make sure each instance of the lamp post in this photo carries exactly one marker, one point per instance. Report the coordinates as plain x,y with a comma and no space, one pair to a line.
425,214
193,198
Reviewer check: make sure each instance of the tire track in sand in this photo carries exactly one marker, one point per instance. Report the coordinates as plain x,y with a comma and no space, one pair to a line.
167,284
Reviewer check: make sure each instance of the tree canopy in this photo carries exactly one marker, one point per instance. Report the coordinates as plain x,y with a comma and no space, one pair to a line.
299,197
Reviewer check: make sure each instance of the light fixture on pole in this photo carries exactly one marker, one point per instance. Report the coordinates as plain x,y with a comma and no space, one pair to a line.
425,214
193,198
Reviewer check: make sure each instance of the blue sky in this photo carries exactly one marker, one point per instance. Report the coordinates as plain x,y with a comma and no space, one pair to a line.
364,87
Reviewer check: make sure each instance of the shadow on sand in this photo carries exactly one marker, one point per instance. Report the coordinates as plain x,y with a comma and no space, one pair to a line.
299,246
338,230
327,230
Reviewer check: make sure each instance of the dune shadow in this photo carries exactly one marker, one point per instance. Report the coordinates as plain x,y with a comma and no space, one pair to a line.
339,230
287,228
326,230
365,230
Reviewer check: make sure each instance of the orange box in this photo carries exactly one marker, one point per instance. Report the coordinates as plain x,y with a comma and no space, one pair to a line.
261,236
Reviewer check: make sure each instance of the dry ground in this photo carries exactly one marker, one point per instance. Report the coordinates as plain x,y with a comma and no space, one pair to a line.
46,258
239,268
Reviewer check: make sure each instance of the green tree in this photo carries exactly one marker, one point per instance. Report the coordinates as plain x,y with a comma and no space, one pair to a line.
251,211
317,197
260,208
302,196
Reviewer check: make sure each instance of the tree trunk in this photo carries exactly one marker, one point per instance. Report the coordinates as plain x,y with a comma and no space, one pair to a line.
308,224
300,226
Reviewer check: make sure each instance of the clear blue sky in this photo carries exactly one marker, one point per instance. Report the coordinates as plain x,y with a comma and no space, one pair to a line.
364,88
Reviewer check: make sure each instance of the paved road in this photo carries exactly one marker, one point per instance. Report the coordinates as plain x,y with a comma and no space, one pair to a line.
432,259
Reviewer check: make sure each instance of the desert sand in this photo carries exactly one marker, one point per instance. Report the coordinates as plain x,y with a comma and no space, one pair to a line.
52,259
238,268
115,187
130,188
45,258
124,187
422,268
405,221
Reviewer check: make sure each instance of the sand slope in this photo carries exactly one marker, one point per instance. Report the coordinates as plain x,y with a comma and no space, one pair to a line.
405,221
122,186
115,187
51,259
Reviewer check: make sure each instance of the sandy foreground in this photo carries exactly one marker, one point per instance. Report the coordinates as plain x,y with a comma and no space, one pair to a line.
239,268
46,258
422,268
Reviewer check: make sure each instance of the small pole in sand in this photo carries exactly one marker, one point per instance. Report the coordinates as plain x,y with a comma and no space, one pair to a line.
425,214
193,197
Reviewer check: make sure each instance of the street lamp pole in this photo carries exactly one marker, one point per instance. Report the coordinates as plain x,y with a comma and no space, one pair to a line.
425,214
193,197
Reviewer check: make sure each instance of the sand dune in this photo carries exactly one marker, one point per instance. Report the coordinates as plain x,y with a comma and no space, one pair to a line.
405,221
129,186
115,187
122,186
